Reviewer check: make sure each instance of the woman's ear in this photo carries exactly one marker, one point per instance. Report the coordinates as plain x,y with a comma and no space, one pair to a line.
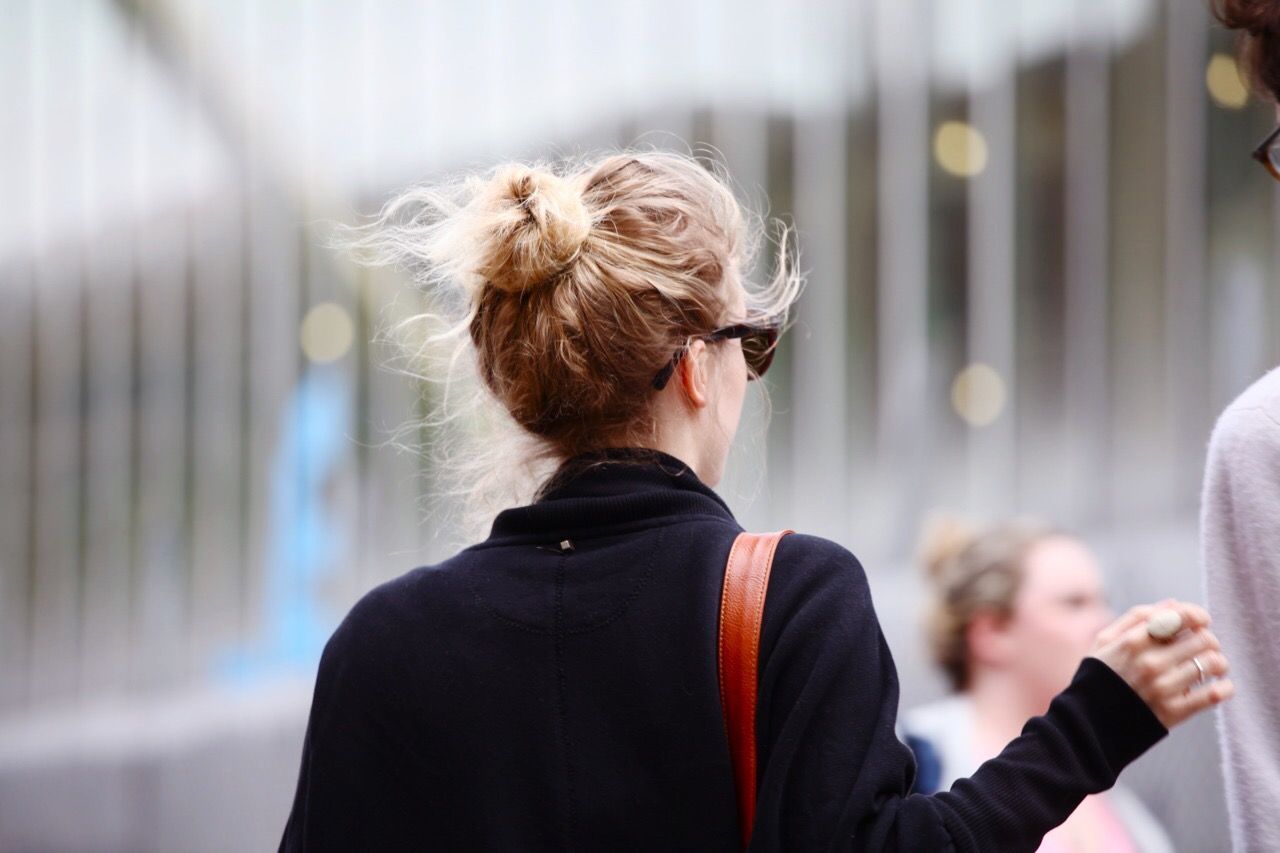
691,373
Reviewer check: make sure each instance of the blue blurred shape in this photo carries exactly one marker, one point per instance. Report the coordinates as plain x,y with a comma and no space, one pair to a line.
307,540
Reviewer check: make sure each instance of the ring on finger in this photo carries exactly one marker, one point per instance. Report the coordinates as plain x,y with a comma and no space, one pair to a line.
1199,669
1164,624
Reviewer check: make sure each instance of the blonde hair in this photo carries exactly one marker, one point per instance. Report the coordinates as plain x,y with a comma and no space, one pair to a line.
972,570
562,288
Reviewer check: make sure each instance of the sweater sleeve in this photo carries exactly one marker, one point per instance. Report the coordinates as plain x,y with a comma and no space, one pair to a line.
1240,542
355,784
835,776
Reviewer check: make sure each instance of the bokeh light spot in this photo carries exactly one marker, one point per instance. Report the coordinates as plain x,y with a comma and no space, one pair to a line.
326,333
978,394
1222,78
960,149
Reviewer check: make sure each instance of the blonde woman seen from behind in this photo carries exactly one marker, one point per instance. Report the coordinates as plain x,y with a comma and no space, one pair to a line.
554,685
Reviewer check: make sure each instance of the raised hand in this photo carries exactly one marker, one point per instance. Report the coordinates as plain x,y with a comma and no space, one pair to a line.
1164,672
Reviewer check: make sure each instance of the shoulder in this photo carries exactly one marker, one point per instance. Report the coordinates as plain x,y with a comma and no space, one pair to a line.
813,561
1252,421
816,585
390,615
1243,453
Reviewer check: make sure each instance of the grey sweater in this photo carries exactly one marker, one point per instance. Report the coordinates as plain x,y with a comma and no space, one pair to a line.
1240,541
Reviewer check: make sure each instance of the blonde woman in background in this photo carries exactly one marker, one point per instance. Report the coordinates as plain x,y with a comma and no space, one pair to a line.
1014,608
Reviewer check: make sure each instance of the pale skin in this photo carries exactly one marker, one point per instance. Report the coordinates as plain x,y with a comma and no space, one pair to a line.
697,415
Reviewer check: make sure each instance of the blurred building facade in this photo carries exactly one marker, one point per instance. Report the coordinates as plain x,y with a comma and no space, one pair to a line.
1040,262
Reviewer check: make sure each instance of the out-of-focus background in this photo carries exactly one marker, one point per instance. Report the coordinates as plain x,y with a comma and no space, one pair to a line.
1041,261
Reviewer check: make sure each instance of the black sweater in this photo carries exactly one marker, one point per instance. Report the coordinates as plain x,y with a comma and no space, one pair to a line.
531,695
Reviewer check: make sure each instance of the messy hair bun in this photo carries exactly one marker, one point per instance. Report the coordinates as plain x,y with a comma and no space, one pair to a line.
971,570
527,226
944,539
564,288
1259,24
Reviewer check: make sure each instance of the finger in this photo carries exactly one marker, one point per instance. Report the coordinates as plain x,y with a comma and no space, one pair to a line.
1193,615
1186,675
1178,708
1137,643
1166,657
1133,616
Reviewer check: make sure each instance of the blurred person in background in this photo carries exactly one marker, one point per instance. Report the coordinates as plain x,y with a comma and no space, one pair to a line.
555,685
1014,607
1240,521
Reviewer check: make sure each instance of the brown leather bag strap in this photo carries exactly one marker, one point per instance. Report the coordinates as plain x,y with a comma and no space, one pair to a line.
746,580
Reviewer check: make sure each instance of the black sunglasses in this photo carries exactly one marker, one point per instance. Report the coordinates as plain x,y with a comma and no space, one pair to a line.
1268,153
758,344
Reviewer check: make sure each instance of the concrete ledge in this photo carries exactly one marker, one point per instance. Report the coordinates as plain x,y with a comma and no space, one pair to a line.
201,771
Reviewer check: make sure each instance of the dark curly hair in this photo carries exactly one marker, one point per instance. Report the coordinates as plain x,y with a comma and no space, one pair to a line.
1259,24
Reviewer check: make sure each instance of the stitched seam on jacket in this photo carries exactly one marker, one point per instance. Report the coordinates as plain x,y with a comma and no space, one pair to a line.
610,616
562,712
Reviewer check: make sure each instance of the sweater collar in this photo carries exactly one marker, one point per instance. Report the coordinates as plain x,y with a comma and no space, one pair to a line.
617,486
